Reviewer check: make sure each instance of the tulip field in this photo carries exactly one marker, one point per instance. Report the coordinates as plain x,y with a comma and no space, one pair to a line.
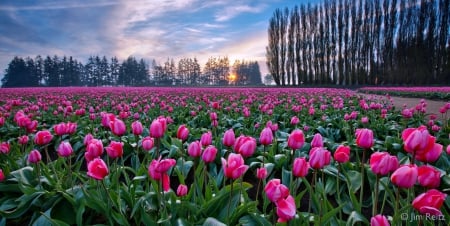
220,156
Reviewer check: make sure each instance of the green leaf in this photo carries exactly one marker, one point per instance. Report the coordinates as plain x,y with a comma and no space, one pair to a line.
254,219
356,217
210,221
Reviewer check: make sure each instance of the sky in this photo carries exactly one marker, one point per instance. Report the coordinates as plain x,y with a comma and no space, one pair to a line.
152,29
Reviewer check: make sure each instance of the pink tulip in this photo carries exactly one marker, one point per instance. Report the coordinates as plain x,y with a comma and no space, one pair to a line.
379,220
364,120
266,136
182,190
23,140
431,154
430,202
4,148
182,132
97,169
213,116
234,167
43,137
416,140
245,145
65,149
286,209
95,148
428,176
319,157
294,120
300,167
60,129
342,154
2,176
137,128
107,118
448,149
317,141
87,139
405,176
296,139
364,138
71,127
382,163
34,156
261,173
157,128
115,149
209,154
147,143
195,149
118,127
157,170
275,190
206,139
228,138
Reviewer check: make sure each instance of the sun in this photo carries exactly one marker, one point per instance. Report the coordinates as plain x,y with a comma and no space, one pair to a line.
232,77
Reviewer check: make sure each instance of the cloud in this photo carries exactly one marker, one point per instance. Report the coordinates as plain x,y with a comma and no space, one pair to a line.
233,11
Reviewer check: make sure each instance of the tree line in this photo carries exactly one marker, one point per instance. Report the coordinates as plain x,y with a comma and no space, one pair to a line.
361,42
100,71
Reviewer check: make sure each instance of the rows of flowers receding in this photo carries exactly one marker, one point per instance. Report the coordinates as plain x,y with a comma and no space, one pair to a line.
442,93
135,156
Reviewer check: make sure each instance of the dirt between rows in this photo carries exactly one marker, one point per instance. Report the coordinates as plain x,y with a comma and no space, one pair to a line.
432,106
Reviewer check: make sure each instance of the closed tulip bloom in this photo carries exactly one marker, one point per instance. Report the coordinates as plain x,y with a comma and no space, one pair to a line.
317,141
43,137
4,147
209,154
2,176
382,163
364,138
300,167
147,143
213,116
261,173
195,149
428,176
97,169
31,127
431,154
379,220
107,118
34,156
157,129
245,145
23,140
294,120
182,190
364,120
416,139
87,139
206,139
118,127
296,139
229,138
71,127
342,154
275,190
115,149
430,202
182,132
137,128
319,157
286,209
65,149
405,176
95,148
60,129
234,167
266,136
448,149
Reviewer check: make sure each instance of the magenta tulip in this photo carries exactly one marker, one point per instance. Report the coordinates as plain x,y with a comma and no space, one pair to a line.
157,170
364,138
65,149
266,136
147,143
195,149
342,154
319,157
317,141
182,190
118,127
382,163
137,128
430,202
405,176
234,167
95,148
43,137
97,169
2,176
4,148
428,176
228,138
182,132
296,139
115,149
261,173
379,220
209,154
206,139
286,209
157,129
300,167
275,190
245,145
34,156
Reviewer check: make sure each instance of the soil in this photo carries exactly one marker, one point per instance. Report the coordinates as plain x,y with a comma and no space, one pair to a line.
432,106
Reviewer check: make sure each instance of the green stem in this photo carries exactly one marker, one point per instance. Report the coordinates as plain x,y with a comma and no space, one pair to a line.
229,204
375,204
362,179
339,190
